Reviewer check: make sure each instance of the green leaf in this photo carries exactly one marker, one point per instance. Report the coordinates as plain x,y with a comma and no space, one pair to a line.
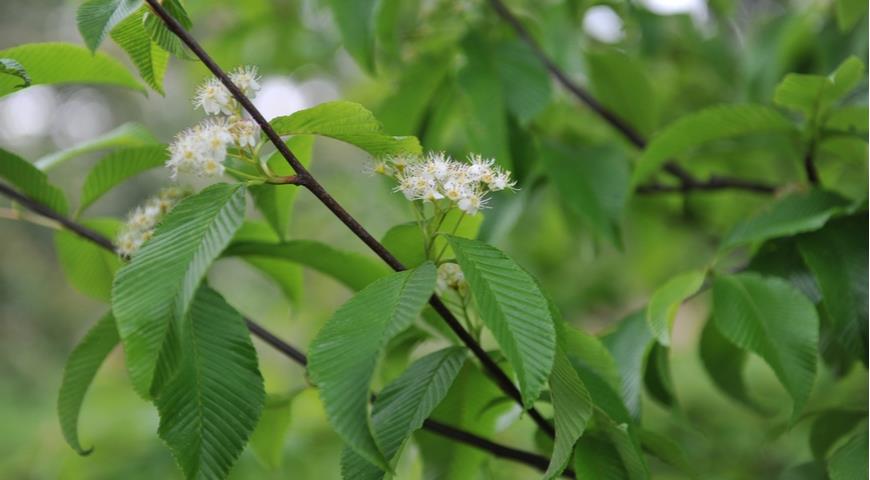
128,135
837,256
211,405
9,66
406,241
275,202
849,462
161,34
593,182
527,85
572,407
587,352
621,84
287,275
267,440
630,344
829,427
849,12
31,182
796,213
356,22
657,375
346,350
352,269
63,63
596,457
158,285
403,111
484,109
714,123
514,309
771,318
811,94
403,406
149,58
79,372
348,122
724,362
96,18
117,167
781,258
89,267
664,303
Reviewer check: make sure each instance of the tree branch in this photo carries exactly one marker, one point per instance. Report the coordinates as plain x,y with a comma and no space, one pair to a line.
630,133
713,184
489,365
502,451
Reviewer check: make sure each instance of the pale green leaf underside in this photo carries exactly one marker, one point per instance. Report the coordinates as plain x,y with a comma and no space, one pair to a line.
346,350
706,125
664,303
79,372
403,406
117,167
796,213
62,63
348,122
128,135
88,267
157,286
771,318
629,344
31,182
149,58
352,269
514,309
210,407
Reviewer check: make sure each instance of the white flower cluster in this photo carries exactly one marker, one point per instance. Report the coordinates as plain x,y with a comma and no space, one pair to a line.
202,149
438,177
450,276
143,219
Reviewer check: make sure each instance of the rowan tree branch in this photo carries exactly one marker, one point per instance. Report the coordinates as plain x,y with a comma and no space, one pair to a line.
306,179
689,182
496,449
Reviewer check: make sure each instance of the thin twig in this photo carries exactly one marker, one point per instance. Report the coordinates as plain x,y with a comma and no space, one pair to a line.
630,133
293,353
713,184
490,367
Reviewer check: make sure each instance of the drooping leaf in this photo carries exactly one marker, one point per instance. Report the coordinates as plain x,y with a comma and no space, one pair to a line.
149,58
630,344
697,128
88,267
781,258
771,318
525,81
211,405
403,406
128,135
849,12
796,213
9,66
267,440
572,407
657,375
117,167
664,303
593,182
345,352
587,353
348,122
811,94
158,285
352,269
596,457
31,182
96,18
514,309
63,63
849,462
622,85
667,450
79,372
837,256
829,427
356,22
275,202
724,362
160,33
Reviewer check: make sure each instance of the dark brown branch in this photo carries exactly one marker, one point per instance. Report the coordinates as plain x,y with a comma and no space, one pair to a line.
618,123
533,460
489,365
713,184
809,164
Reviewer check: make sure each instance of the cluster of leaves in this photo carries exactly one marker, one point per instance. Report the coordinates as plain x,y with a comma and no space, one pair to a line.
801,301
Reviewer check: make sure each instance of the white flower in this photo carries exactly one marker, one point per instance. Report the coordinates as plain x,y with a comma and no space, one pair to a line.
200,150
214,98
144,219
246,133
471,203
450,276
247,79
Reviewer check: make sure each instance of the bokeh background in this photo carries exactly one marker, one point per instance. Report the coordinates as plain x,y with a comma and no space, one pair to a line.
697,53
